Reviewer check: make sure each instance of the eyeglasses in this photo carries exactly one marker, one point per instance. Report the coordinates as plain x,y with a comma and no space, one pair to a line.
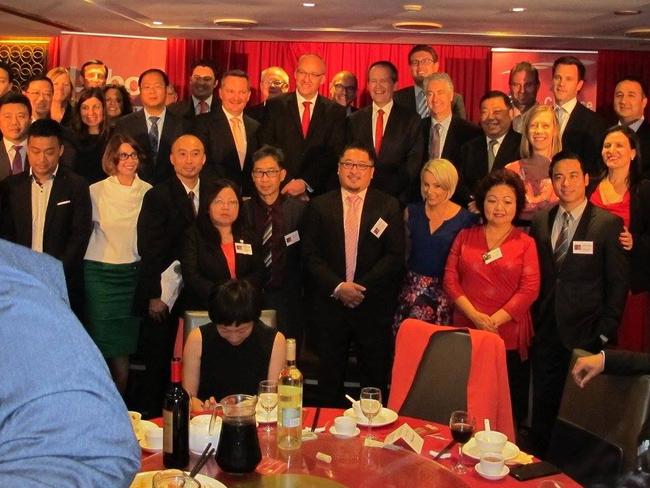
225,203
258,174
304,74
125,156
348,164
274,83
205,79
421,62
37,94
340,86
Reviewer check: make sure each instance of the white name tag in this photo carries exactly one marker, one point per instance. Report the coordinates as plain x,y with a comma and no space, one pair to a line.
243,248
583,247
379,228
492,255
292,238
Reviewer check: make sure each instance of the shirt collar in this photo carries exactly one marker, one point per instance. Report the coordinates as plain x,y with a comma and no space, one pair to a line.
161,117
634,125
9,145
56,170
577,212
232,116
361,194
446,122
498,139
196,101
303,99
569,106
188,189
386,108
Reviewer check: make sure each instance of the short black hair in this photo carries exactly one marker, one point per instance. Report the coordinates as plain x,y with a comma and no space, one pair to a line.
634,175
45,128
501,177
15,97
561,156
234,302
237,73
269,151
9,71
496,94
208,63
93,61
385,64
359,146
423,48
40,77
203,220
571,60
154,70
635,79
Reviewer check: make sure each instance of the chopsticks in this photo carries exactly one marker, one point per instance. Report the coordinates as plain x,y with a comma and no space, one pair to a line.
445,449
314,424
205,455
213,418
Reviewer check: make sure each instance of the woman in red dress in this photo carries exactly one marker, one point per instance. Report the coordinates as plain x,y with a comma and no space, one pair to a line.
622,192
492,276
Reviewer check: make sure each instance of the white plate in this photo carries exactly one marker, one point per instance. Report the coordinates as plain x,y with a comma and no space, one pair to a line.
344,436
145,480
146,448
385,417
492,477
510,451
143,426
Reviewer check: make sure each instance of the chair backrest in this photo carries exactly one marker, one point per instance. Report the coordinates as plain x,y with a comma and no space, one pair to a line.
595,436
440,384
197,318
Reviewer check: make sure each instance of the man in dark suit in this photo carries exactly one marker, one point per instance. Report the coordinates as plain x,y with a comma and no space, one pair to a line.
583,289
424,62
309,128
582,129
154,127
168,209
393,131
274,81
497,147
276,219
343,90
442,132
230,136
203,81
630,101
15,116
353,252
48,208
6,79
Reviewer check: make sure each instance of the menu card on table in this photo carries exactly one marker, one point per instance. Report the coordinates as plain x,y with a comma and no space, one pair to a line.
404,436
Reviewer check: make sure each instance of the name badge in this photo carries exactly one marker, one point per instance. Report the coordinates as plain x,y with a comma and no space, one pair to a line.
243,248
583,247
379,228
492,255
292,238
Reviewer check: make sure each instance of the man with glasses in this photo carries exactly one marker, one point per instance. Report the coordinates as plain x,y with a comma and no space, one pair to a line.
274,81
203,81
353,252
424,61
343,90
309,128
276,219
40,91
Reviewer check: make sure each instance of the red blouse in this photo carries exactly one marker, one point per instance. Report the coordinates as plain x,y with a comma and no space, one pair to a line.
622,208
228,251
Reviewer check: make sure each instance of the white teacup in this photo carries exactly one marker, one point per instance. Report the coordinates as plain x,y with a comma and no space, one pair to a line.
492,464
490,441
345,425
154,437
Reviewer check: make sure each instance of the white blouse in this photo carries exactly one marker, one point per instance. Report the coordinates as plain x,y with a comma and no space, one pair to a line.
114,239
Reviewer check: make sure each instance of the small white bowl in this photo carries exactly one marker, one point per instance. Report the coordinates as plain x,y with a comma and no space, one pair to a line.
490,441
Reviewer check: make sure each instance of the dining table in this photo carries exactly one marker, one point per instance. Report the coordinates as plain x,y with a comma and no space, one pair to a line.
328,461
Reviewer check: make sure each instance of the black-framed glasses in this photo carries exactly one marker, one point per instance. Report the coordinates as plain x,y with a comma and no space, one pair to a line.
269,173
349,164
341,86
309,75
421,62
124,156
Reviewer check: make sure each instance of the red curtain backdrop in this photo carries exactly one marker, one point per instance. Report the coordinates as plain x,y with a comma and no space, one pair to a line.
469,66
53,53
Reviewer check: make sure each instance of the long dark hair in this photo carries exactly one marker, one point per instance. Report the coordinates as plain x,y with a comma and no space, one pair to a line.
80,127
126,105
203,221
634,175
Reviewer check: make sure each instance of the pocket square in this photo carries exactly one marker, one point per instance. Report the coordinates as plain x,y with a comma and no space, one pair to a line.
64,202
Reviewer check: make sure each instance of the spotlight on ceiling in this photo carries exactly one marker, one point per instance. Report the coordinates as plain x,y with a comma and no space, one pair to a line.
417,26
235,23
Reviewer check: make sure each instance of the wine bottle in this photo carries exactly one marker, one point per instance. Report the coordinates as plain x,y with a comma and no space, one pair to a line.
176,422
289,433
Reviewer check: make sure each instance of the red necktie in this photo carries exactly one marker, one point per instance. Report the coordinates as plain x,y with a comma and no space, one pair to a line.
306,116
379,131
17,163
203,107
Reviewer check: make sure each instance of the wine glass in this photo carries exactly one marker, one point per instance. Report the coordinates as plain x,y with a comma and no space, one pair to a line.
370,400
462,425
268,394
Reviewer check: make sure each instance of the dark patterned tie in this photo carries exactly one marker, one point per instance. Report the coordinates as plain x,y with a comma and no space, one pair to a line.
491,155
562,243
266,238
17,163
434,151
190,197
153,136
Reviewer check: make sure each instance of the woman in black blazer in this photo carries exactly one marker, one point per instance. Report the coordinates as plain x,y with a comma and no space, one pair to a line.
218,248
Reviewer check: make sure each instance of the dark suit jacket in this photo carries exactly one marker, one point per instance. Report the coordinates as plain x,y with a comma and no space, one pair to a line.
256,111
135,126
186,110
399,160
640,229
380,260
204,264
406,98
5,162
474,162
626,362
221,153
583,135
644,139
165,215
460,131
315,157
585,297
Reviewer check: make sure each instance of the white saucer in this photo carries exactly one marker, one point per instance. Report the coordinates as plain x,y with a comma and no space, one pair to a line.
145,479
344,436
385,417
510,451
493,477
143,426
146,448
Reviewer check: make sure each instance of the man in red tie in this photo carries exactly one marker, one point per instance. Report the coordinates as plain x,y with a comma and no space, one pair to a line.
203,81
15,115
394,133
309,128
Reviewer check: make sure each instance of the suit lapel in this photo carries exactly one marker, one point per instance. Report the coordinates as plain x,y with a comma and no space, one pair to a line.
581,232
180,198
318,116
56,193
294,114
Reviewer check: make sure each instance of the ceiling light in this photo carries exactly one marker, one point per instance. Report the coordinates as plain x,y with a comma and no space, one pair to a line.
308,4
417,26
157,22
237,23
518,10
640,33
627,12
412,7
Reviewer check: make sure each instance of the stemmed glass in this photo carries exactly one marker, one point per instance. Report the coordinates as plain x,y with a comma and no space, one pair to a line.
268,395
370,400
462,425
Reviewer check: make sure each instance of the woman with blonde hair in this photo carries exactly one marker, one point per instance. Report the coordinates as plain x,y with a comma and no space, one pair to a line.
61,108
431,226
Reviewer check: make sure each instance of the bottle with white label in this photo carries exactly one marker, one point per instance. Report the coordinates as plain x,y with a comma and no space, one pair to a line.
290,402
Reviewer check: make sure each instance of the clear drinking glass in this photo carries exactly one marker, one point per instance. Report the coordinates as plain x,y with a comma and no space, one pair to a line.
173,478
462,426
370,401
268,398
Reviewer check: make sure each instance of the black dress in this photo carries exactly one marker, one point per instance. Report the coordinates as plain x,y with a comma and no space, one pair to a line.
88,162
228,369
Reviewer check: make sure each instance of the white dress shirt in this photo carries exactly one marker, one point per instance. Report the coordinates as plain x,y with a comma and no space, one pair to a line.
9,147
40,198
161,122
386,108
301,107
576,214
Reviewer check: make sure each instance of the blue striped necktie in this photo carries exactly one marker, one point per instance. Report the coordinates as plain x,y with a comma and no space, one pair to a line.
562,243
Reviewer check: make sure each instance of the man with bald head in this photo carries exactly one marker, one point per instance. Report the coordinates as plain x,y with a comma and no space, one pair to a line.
343,90
309,128
168,209
274,81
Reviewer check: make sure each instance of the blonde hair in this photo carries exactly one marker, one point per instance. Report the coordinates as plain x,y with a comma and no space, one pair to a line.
526,148
55,72
444,172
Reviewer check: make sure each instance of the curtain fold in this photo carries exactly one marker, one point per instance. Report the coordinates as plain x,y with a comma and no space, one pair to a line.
53,53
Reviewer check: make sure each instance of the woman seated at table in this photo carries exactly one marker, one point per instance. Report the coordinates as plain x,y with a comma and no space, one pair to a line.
492,276
431,226
234,352
91,131
622,192
218,247
541,142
